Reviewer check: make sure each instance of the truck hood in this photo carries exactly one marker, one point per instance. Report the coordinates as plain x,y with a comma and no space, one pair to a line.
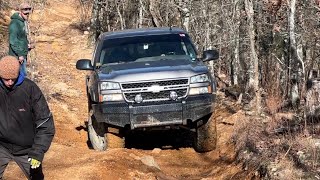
152,70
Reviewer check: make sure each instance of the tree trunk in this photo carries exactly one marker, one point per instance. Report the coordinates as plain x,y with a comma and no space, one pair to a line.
155,13
95,18
122,25
236,35
297,62
186,16
140,20
254,78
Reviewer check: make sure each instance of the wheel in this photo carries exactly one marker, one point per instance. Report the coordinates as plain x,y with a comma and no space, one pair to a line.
206,136
96,132
114,138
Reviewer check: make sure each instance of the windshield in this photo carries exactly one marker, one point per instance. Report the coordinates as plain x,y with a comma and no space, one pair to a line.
147,48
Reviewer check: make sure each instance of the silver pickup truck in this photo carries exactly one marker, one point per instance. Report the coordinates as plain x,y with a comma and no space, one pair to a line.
145,80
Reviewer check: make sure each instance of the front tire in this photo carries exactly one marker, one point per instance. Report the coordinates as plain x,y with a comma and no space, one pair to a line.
206,136
96,132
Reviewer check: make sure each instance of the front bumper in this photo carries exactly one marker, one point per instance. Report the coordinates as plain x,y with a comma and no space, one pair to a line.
155,114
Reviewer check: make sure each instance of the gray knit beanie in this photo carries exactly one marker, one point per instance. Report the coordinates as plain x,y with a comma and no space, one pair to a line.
9,67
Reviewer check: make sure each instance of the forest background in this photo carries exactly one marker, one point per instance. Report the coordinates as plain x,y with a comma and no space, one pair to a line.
269,63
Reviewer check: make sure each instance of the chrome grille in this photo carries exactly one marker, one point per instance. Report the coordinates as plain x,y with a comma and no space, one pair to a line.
130,90
160,83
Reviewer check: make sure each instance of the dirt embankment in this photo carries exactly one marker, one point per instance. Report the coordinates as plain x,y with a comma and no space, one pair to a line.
58,46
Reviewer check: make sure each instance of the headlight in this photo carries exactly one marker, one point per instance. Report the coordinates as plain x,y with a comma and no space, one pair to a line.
200,90
200,79
109,85
111,97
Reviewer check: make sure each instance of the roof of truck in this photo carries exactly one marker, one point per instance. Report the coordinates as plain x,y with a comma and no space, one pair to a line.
141,32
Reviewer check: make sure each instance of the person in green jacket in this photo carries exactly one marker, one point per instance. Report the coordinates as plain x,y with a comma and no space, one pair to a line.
19,45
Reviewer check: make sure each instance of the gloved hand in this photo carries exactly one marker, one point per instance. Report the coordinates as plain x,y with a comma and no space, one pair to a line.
34,163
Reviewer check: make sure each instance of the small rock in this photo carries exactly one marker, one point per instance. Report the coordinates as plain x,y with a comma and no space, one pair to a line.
156,150
249,113
75,109
265,120
149,161
246,168
86,32
301,155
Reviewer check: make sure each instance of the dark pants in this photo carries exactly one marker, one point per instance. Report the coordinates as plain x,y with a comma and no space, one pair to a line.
22,161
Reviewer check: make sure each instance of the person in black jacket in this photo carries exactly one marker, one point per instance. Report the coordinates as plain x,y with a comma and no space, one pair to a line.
26,123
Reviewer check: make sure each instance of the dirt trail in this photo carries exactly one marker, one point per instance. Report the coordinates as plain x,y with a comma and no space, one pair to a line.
58,47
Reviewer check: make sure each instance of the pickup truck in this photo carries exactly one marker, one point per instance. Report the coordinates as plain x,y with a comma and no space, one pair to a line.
145,80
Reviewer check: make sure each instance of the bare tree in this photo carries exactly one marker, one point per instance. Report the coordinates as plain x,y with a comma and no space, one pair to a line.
141,14
254,74
298,64
154,10
95,20
235,65
184,9
120,7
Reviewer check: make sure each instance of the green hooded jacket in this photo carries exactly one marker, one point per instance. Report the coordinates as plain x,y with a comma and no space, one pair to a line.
18,42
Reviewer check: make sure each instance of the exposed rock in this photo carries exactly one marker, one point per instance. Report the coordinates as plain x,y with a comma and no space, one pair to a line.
149,161
156,150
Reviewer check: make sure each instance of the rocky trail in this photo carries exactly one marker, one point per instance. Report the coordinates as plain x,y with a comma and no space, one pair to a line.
58,45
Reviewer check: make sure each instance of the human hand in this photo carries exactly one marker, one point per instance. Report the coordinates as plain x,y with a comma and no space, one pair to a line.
21,59
34,163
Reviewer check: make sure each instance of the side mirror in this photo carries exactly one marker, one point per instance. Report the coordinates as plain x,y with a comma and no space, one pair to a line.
84,64
210,55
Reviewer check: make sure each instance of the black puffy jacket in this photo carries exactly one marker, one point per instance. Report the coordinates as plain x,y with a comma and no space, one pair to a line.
26,123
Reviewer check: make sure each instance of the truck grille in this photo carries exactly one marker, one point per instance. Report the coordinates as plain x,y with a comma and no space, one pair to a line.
155,91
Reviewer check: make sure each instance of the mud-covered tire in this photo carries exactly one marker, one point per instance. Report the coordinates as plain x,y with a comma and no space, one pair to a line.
96,133
114,140
205,139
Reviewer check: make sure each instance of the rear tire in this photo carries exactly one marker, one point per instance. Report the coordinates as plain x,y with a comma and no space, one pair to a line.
96,132
206,136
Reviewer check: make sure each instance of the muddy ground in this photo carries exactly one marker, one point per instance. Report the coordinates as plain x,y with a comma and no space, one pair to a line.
58,45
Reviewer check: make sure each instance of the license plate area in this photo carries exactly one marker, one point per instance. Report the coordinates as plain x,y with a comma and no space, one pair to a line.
155,115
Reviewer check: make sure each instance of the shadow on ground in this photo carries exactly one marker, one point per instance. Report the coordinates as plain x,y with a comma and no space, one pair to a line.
147,140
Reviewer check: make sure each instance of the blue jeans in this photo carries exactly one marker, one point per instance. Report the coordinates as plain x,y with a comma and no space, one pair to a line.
23,67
